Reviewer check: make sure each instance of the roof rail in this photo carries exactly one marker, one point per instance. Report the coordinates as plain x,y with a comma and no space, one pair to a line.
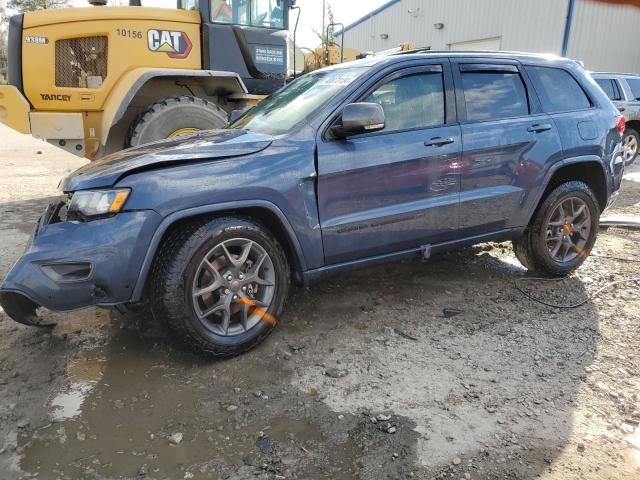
462,52
616,73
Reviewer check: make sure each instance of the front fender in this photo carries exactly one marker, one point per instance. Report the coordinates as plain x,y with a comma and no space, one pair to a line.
209,209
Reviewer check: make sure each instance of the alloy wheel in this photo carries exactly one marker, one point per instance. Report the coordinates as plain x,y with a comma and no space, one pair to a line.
568,230
233,287
630,146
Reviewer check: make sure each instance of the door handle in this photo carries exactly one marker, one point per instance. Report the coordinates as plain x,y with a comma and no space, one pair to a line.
539,127
438,142
621,109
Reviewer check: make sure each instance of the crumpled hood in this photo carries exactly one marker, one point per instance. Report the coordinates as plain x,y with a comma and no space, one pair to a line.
200,147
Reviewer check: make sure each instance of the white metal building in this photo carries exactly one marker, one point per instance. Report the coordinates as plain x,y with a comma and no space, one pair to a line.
603,36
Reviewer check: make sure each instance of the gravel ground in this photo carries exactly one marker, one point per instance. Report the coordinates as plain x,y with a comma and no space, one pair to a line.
410,370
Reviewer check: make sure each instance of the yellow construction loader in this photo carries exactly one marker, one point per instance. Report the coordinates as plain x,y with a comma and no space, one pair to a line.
97,80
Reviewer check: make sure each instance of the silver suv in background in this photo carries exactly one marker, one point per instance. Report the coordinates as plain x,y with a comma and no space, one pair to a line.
624,91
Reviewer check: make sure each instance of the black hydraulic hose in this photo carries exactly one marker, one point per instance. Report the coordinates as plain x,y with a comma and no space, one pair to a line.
574,305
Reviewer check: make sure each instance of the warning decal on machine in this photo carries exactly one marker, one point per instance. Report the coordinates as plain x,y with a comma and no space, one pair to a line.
270,55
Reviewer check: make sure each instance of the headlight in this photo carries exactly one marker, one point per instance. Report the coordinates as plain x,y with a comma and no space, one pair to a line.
91,203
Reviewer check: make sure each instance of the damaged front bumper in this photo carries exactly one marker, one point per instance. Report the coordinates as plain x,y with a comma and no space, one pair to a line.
70,265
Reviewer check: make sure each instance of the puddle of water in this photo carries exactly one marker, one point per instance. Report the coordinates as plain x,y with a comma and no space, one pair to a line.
68,404
84,320
83,372
282,428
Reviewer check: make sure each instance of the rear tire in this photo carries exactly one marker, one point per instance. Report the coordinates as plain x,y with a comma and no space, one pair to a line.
563,231
247,305
631,143
176,116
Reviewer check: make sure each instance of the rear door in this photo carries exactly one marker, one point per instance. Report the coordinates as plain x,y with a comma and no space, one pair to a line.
396,189
506,142
573,111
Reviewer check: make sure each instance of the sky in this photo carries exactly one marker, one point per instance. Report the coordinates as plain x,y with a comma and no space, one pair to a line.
345,11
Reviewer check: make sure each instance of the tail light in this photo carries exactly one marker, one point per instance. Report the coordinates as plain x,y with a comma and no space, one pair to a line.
622,125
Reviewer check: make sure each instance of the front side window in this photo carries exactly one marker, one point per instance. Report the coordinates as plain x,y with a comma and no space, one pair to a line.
558,90
267,13
299,101
257,13
494,95
634,85
414,101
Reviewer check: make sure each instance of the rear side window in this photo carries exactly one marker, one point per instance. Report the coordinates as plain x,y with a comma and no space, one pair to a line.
494,95
558,90
609,87
634,85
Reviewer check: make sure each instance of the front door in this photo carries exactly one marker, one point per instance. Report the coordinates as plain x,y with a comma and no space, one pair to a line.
395,189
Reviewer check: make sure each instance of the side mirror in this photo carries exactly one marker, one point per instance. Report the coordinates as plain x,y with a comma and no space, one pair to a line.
235,115
360,118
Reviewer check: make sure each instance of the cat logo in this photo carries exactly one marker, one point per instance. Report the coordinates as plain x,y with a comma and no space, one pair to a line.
174,44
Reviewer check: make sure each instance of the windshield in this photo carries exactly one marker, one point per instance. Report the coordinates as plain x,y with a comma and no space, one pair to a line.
298,102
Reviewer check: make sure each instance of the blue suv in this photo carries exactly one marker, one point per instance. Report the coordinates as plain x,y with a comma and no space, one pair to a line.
369,161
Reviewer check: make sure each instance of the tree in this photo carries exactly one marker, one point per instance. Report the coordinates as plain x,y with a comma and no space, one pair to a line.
21,6
3,50
323,35
31,5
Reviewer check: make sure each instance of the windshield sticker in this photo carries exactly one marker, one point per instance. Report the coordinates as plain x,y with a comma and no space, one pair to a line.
344,78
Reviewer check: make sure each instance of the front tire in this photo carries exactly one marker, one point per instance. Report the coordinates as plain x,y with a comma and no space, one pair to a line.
174,117
220,285
563,231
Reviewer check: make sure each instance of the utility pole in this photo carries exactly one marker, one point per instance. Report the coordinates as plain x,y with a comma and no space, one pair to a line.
324,16
567,27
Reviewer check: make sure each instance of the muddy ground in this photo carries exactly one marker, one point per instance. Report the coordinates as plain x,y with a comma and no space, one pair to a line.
409,370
